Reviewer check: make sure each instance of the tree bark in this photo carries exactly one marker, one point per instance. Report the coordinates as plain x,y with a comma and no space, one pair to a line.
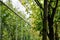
56,32
51,30
45,20
50,22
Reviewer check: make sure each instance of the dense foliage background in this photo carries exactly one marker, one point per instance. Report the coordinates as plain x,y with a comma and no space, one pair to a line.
15,26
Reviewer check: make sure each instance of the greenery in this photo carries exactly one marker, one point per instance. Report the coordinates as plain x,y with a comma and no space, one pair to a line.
42,24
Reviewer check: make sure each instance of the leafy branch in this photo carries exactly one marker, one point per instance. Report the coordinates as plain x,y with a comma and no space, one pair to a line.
39,4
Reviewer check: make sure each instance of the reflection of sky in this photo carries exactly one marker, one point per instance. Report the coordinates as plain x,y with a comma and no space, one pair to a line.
20,7
16,4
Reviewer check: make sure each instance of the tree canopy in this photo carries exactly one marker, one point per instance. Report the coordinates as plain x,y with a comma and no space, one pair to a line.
42,24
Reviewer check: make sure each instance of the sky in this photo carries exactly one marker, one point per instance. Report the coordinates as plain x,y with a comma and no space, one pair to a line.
17,4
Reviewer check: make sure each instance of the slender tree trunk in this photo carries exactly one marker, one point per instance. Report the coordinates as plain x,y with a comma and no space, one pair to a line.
50,22
45,20
56,32
51,30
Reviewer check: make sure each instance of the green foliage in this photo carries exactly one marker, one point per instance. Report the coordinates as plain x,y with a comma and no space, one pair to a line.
14,27
9,23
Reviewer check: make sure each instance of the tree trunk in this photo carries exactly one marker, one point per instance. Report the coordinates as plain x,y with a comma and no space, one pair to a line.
51,30
45,20
56,32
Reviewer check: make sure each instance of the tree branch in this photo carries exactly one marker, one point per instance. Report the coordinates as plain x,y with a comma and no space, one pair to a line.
39,4
56,3
54,9
50,4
